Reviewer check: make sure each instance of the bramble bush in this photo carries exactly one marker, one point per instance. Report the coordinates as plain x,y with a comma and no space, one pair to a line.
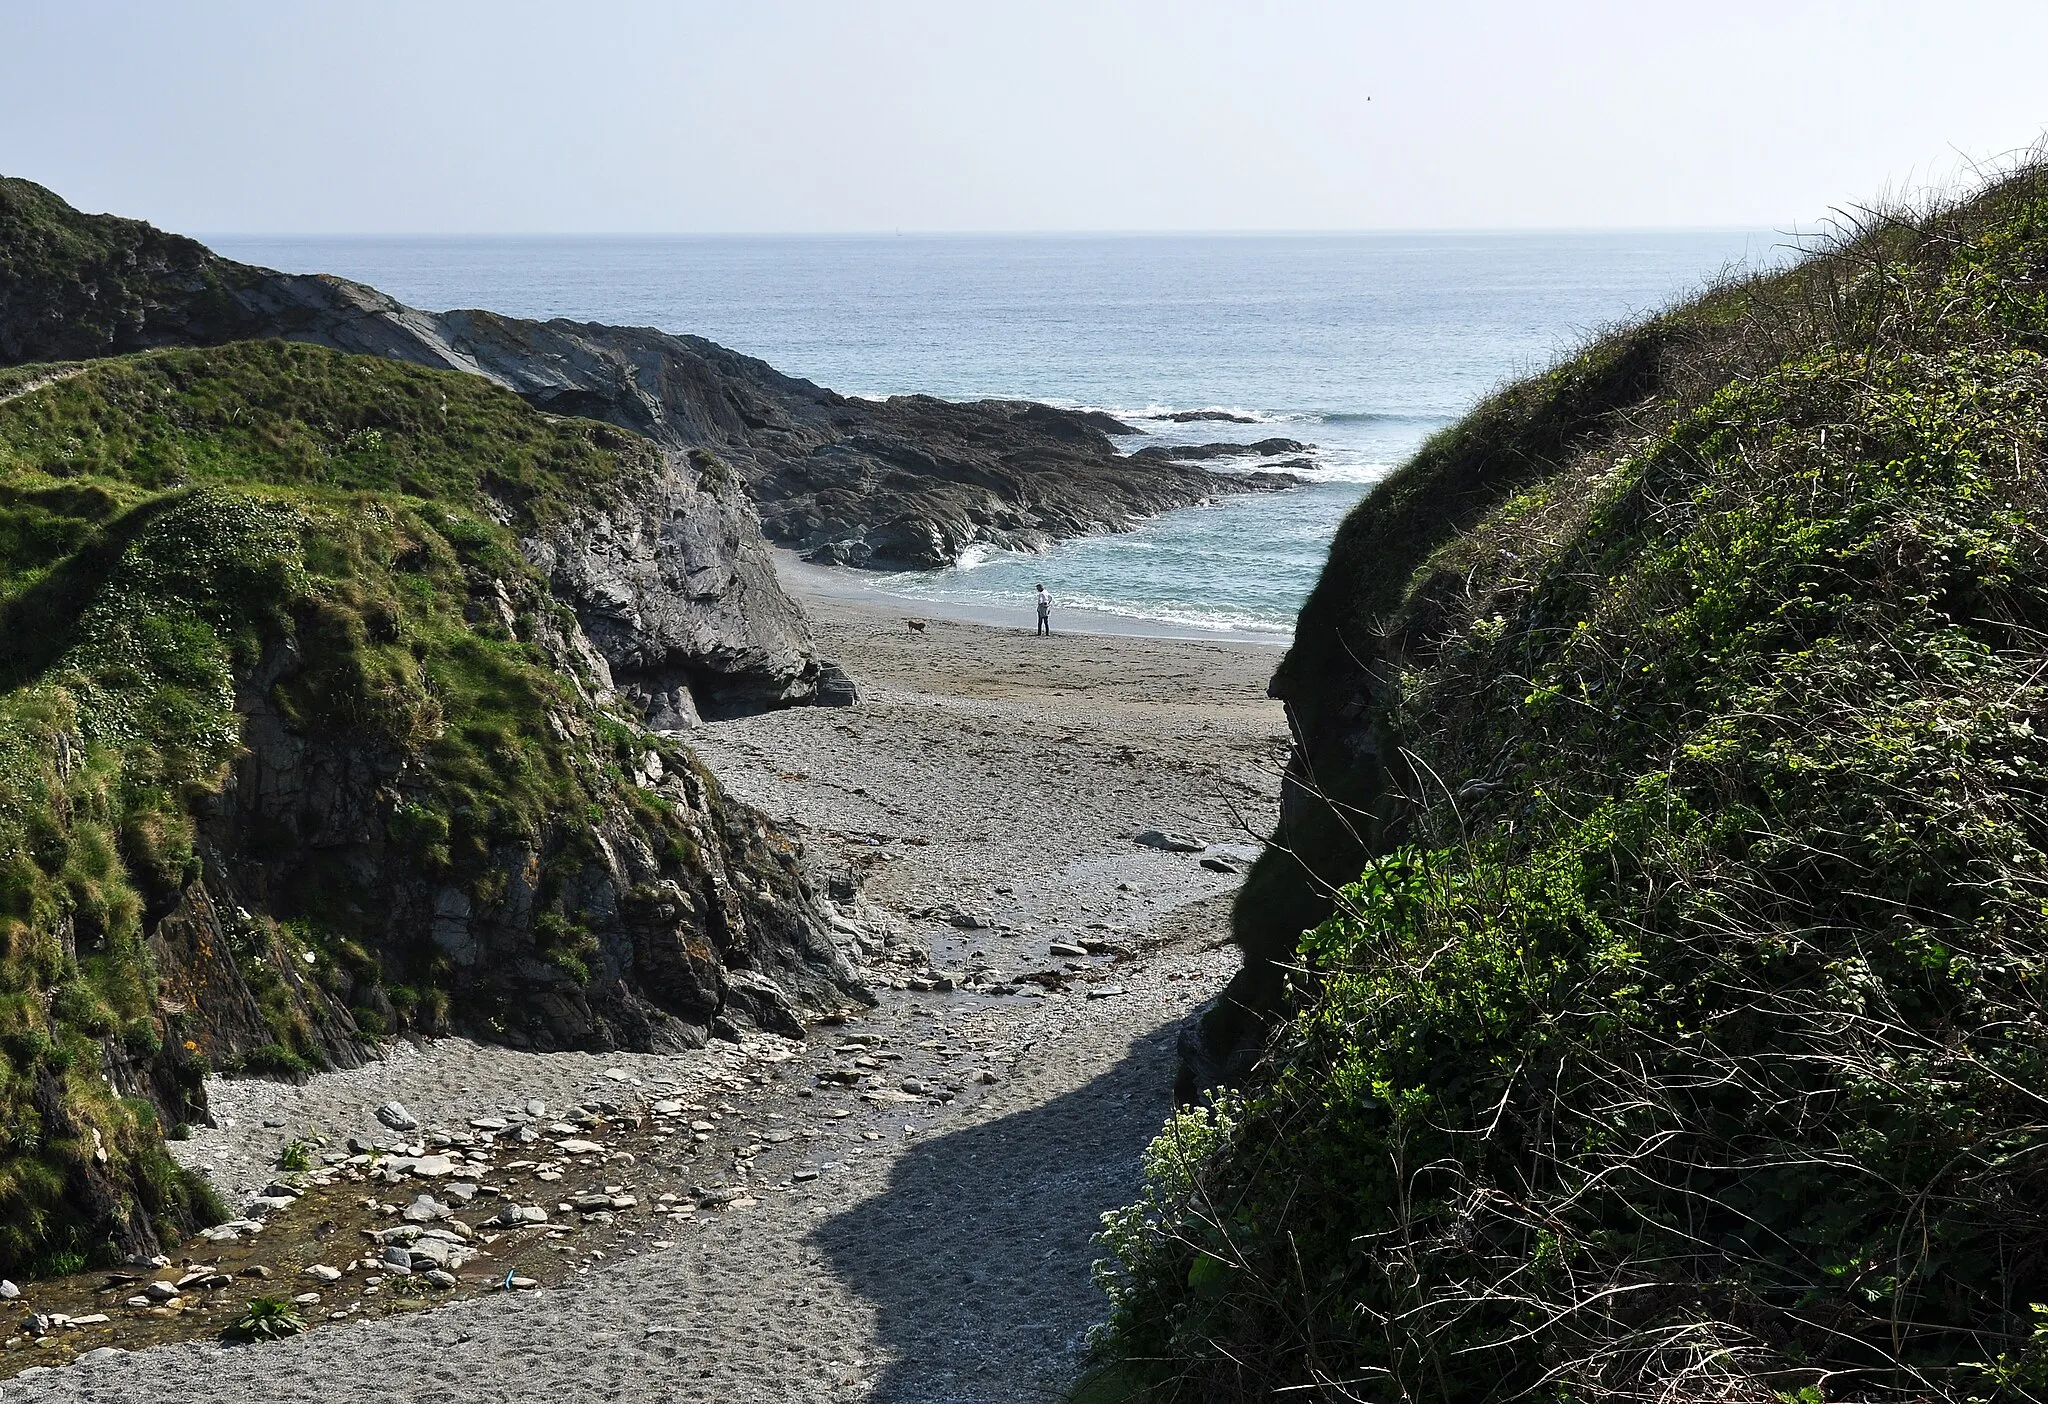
1683,1036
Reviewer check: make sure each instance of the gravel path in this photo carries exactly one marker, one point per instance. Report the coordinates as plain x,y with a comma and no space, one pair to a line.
942,1252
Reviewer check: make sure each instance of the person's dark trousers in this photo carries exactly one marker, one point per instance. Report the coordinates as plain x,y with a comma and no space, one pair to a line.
1044,624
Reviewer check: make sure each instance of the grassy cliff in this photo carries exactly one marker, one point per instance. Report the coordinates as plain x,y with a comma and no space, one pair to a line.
1665,909
280,697
74,284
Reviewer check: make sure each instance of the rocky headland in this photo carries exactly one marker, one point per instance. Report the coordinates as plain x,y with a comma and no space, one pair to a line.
907,482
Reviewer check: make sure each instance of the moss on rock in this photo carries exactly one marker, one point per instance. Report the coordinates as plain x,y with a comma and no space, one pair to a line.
296,747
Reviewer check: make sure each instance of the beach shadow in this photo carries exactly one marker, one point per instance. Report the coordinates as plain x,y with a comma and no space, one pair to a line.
976,1255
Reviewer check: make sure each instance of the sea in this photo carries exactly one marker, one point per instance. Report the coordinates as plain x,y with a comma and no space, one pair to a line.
1359,345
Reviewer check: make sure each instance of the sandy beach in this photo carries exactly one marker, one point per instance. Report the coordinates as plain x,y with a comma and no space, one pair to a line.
924,1237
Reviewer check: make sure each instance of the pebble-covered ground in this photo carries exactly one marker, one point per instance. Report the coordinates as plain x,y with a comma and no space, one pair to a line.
898,1208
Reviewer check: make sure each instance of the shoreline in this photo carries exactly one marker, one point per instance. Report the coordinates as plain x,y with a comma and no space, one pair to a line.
918,1188
854,590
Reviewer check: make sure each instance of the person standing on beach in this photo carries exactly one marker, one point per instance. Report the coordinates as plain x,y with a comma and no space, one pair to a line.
1044,610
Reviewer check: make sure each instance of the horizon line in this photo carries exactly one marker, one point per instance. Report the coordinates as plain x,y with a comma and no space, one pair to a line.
1389,231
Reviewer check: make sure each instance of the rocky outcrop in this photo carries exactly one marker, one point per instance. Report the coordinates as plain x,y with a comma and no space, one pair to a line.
905,483
909,482
286,769
676,588
722,932
1198,453
913,482
676,592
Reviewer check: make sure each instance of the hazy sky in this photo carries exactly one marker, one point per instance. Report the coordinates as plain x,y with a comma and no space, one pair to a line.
761,115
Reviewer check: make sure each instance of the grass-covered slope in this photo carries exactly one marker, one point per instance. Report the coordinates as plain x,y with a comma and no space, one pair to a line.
1684,1036
73,284
295,748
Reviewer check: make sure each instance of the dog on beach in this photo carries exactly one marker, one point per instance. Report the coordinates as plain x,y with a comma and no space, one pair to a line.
916,625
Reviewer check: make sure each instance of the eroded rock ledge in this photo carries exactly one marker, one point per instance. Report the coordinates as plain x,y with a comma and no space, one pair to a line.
908,482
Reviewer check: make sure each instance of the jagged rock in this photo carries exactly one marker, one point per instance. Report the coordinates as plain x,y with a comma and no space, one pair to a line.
909,481
835,688
762,1002
1169,843
1193,453
396,1117
426,1210
1197,416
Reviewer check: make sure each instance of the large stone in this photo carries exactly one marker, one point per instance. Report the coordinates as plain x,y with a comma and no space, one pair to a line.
431,1252
1170,843
762,1002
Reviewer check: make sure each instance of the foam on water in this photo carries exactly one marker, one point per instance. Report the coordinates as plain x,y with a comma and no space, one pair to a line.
1362,345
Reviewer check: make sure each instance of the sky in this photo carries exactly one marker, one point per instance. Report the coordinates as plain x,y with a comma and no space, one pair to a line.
768,116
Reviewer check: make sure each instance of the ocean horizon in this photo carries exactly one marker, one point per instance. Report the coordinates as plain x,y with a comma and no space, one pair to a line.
1359,346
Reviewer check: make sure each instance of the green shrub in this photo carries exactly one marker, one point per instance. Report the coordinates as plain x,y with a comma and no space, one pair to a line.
420,830
266,1319
1681,1033
274,1060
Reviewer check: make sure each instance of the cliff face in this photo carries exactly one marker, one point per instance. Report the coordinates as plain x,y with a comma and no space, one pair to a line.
909,482
317,724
